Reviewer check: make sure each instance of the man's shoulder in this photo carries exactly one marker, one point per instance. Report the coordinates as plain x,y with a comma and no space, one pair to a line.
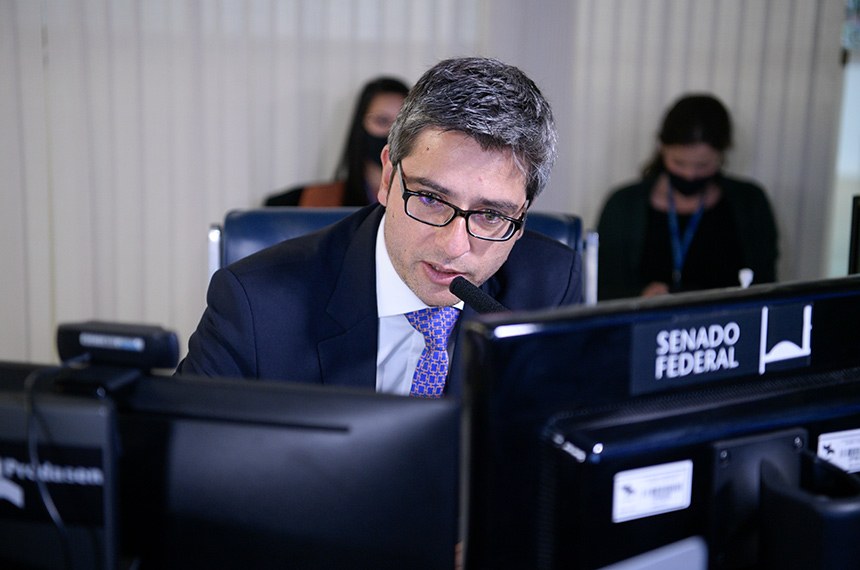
540,272
536,241
537,254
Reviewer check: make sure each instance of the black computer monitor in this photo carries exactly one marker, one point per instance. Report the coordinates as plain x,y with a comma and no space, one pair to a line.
743,470
223,473
854,238
566,403
58,467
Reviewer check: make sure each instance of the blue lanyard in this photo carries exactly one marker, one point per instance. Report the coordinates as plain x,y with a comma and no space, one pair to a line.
680,245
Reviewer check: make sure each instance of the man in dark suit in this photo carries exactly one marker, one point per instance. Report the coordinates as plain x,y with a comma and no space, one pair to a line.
470,151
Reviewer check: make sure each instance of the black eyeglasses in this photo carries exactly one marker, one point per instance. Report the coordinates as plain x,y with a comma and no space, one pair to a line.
430,209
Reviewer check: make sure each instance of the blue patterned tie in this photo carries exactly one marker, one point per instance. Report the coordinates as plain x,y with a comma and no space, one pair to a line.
435,324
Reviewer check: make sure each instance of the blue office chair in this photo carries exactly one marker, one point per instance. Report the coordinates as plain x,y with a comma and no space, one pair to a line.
244,232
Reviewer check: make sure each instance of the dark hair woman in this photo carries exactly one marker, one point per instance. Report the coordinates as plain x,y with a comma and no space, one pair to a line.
356,178
686,225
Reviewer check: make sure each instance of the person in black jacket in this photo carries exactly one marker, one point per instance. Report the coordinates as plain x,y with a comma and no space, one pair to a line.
686,225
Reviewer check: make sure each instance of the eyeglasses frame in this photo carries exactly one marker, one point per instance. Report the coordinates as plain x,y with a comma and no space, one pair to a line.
517,223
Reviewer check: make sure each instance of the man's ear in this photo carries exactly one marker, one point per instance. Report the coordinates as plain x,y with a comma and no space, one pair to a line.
385,182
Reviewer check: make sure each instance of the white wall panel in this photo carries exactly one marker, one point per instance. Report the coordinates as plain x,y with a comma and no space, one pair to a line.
13,229
27,309
128,126
775,63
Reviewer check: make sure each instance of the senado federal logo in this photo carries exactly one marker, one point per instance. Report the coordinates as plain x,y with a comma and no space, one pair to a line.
696,350
704,347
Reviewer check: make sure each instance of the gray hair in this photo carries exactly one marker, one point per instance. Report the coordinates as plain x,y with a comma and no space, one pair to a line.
492,102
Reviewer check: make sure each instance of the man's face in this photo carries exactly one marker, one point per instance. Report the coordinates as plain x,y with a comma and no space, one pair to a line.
454,168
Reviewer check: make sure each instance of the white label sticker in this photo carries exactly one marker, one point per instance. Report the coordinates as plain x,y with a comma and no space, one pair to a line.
649,491
841,448
112,341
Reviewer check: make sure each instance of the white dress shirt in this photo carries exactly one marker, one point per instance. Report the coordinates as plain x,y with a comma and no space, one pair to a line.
400,345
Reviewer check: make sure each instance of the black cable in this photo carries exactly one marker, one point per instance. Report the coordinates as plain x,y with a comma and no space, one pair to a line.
32,434
31,429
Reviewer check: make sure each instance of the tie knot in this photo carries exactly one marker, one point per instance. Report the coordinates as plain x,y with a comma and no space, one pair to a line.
434,323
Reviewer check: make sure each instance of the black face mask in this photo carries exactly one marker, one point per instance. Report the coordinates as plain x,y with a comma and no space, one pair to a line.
690,187
373,148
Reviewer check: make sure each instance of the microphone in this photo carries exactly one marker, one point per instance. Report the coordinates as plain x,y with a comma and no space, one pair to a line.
474,297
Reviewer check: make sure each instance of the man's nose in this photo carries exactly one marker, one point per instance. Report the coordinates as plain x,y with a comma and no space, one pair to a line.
456,238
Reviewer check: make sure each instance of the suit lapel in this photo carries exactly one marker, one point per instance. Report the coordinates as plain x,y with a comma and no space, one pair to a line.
349,357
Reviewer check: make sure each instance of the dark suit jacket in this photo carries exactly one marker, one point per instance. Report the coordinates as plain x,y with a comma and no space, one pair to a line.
305,309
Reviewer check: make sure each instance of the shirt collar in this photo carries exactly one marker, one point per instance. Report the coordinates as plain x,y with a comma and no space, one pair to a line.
393,296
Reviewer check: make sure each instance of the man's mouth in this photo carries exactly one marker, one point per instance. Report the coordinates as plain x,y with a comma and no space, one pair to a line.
441,273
